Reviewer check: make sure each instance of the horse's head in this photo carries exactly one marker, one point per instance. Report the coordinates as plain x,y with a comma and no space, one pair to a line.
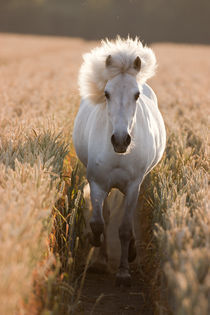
122,93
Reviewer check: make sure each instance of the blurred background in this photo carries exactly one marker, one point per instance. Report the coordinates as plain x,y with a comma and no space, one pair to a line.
153,20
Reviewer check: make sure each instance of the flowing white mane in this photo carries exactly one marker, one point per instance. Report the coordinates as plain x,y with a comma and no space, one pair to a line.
94,73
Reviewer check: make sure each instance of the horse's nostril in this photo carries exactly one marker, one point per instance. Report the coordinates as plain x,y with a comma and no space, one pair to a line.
127,140
113,140
124,141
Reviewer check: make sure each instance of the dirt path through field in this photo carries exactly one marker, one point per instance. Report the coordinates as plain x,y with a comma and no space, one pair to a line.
101,296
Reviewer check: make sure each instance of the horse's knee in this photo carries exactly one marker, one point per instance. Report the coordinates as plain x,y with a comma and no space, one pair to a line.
97,227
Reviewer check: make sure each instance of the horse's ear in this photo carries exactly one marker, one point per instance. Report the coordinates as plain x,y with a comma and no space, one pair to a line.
108,61
137,64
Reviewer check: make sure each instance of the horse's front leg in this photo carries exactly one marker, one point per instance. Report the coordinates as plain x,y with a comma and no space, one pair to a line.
126,235
100,259
98,196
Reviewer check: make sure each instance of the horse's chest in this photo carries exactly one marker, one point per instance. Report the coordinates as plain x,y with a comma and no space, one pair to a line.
119,178
111,173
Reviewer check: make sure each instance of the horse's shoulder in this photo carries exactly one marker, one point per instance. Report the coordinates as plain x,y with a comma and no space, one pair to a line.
148,91
85,109
85,103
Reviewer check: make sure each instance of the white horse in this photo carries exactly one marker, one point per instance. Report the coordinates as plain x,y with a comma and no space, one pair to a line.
119,134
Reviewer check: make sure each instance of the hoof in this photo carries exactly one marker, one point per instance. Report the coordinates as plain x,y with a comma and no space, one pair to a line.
132,251
123,278
95,240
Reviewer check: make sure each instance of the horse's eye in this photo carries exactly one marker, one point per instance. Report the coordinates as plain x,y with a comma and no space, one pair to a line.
107,95
136,96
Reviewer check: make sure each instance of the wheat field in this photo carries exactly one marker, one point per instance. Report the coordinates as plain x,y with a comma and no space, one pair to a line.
40,184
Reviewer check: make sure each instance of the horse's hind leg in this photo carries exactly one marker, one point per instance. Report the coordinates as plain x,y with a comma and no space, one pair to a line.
132,249
97,220
126,234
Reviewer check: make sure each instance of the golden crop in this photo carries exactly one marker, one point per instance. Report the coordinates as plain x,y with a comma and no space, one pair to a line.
38,103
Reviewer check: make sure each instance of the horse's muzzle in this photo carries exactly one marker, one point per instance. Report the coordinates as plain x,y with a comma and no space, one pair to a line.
120,143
